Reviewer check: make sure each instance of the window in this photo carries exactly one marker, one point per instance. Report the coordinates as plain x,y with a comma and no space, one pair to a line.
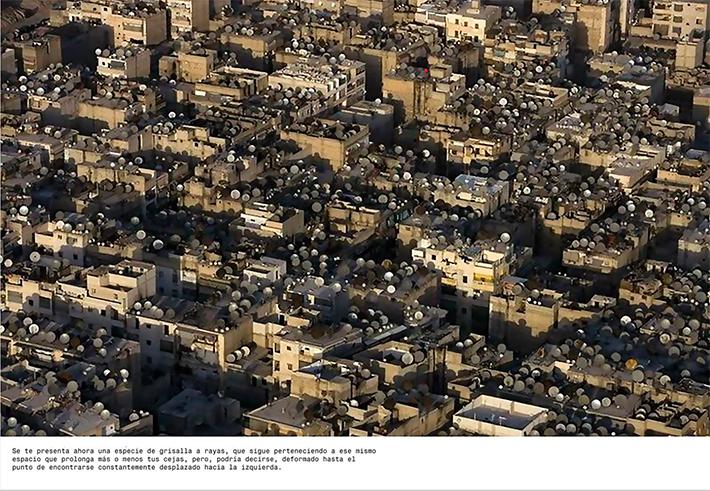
277,366
150,360
166,331
148,342
433,256
277,347
465,279
288,348
31,302
45,302
289,366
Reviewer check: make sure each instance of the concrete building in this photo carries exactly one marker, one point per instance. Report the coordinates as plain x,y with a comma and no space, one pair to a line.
188,16
473,23
596,25
125,63
694,247
332,142
129,22
420,92
492,416
269,221
677,20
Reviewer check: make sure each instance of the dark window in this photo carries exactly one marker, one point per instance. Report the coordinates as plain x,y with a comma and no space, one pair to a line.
14,297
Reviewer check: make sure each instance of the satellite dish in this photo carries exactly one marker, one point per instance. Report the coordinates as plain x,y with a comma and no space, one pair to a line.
638,375
407,359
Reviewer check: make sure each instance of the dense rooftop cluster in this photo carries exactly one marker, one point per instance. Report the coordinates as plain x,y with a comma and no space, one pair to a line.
356,218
